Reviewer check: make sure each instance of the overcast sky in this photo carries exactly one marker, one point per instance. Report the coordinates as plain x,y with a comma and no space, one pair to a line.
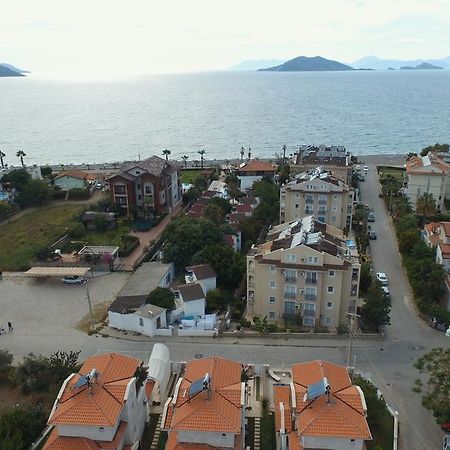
114,38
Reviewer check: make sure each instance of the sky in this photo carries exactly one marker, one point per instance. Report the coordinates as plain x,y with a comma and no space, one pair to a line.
68,39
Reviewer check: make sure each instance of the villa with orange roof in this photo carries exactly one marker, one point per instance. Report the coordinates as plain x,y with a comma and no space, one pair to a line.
319,409
254,170
427,175
104,406
207,409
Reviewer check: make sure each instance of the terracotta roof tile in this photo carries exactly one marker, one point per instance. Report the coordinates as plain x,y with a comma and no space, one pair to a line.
282,394
244,209
446,226
445,249
79,174
100,405
257,166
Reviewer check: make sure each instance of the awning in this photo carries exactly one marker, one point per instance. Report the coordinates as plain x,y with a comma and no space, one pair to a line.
41,271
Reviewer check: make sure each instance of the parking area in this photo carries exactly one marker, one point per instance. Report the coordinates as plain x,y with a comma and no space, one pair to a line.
48,307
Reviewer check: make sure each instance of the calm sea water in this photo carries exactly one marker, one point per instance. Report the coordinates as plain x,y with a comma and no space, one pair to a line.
368,112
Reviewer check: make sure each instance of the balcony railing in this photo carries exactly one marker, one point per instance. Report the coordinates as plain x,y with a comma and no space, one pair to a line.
309,201
323,202
290,295
309,313
251,284
290,279
310,280
310,297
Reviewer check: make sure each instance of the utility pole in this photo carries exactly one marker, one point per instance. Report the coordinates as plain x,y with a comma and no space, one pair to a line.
88,298
350,343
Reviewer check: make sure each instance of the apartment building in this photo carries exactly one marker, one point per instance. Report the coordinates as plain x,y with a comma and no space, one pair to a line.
320,409
305,267
427,175
104,406
317,192
207,408
334,158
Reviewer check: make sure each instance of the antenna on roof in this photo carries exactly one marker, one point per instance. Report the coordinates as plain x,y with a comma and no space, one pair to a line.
86,380
317,389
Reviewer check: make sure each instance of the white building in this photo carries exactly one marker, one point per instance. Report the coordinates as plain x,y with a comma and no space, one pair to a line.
191,299
203,274
252,171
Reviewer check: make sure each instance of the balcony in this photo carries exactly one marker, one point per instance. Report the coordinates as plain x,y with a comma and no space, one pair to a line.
310,297
310,280
323,202
309,201
309,313
251,284
322,209
309,211
290,295
290,279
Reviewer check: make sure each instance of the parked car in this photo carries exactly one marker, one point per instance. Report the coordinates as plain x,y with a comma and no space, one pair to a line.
382,278
386,291
372,235
75,279
446,426
366,168
358,167
438,324
361,177
371,217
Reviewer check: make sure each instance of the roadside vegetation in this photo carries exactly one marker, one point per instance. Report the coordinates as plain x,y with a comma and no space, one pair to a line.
27,391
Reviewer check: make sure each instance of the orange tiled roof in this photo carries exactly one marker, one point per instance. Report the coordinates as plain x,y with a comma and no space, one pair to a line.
294,441
343,416
445,249
415,165
282,394
446,226
222,411
56,442
76,174
257,166
100,405
433,231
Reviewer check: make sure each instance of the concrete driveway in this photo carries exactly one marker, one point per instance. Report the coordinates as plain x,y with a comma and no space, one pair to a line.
408,337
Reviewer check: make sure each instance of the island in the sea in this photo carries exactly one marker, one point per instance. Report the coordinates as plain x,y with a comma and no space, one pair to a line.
309,64
423,66
7,70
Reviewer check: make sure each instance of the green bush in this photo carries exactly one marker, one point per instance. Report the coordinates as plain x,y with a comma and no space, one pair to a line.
78,194
127,245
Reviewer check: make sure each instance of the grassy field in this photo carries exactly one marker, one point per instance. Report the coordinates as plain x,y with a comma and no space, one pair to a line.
20,239
395,172
188,176
109,237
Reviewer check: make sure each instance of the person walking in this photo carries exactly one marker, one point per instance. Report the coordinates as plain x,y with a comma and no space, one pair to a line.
10,327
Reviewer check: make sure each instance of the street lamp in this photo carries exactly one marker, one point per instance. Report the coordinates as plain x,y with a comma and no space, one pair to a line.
88,298
350,341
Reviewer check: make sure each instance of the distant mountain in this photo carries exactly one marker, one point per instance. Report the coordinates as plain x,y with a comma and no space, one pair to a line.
256,64
384,64
6,70
10,66
309,64
423,66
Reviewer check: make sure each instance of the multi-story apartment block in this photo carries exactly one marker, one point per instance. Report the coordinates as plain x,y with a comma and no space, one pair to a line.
334,158
320,193
305,267
427,175
153,182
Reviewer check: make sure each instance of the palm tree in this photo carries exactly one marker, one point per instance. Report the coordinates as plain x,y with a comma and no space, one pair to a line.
249,153
20,154
426,206
201,153
284,154
2,155
166,153
185,158
242,153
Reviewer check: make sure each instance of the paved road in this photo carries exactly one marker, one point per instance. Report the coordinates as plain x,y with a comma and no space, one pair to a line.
408,337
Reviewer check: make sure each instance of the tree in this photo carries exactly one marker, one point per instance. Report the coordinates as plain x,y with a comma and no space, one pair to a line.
221,203
162,297
284,172
376,406
201,153
17,177
46,171
2,155
20,427
214,213
376,308
435,148
62,364
217,300
436,364
249,154
365,279
5,363
228,264
261,325
185,158
407,239
186,236
426,205
401,207
166,153
36,192
20,154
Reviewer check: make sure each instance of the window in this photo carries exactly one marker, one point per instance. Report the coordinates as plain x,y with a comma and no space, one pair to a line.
290,291
291,257
330,289
309,321
119,189
333,219
296,205
297,195
313,259
141,321
330,305
321,219
101,429
290,275
139,197
310,293
271,315
331,273
328,320
138,186
148,190
272,300
334,196
273,284
309,199
289,307
273,268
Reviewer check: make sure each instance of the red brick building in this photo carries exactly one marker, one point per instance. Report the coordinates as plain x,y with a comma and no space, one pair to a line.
153,182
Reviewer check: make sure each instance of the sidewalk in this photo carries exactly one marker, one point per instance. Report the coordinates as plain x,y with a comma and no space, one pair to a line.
146,237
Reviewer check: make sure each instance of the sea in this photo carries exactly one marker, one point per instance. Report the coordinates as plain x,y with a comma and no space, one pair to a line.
369,112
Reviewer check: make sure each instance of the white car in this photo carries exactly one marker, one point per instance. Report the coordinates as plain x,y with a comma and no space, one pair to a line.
386,291
366,169
75,279
382,278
